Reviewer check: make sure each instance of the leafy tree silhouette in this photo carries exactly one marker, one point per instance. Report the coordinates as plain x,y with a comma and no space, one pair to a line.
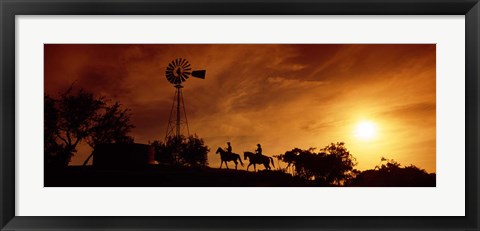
80,116
391,174
112,126
162,153
334,165
189,151
53,151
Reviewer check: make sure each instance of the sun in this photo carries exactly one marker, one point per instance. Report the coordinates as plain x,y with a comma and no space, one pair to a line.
366,130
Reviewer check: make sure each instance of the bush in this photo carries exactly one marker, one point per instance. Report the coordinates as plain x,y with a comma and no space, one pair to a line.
189,151
332,166
391,174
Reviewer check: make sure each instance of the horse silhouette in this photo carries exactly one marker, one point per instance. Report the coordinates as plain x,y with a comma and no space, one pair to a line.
258,159
226,157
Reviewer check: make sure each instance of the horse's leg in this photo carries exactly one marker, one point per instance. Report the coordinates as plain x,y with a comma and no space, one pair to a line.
255,167
266,165
226,164
236,163
221,164
248,166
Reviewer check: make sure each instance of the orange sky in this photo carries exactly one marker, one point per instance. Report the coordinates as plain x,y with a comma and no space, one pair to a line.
282,96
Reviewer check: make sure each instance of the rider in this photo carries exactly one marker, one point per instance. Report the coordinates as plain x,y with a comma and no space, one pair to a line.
259,150
229,148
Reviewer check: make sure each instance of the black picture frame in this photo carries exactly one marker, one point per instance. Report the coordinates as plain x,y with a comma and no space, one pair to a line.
10,8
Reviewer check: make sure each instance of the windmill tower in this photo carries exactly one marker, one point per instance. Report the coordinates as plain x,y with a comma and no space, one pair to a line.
177,72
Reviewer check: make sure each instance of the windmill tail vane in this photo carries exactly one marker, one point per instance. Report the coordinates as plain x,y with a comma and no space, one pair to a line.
199,74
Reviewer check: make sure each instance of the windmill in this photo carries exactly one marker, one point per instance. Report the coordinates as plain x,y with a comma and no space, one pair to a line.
177,72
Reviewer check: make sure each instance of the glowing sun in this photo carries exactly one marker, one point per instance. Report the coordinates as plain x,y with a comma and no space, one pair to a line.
366,130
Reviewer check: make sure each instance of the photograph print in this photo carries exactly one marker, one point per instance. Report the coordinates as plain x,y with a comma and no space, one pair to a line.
239,115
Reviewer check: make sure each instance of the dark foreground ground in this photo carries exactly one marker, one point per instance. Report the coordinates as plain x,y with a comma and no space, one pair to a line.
168,176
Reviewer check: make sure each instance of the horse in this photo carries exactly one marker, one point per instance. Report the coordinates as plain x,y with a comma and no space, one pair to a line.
226,157
258,159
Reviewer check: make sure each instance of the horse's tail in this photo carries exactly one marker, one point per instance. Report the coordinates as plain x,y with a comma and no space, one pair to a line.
240,159
271,159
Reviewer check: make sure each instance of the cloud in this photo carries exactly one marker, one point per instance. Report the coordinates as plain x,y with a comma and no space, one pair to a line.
414,111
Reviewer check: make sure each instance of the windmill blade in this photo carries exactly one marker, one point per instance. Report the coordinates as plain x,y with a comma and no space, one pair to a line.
170,78
185,76
184,62
199,74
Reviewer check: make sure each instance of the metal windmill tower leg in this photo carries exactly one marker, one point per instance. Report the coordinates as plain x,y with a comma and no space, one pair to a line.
175,122
185,114
179,92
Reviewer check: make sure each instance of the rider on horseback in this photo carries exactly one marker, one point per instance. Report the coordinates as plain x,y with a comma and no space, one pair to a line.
258,151
229,148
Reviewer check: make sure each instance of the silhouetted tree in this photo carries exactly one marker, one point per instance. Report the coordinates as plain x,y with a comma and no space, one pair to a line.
391,174
332,166
79,115
195,151
190,151
342,163
164,152
111,126
54,152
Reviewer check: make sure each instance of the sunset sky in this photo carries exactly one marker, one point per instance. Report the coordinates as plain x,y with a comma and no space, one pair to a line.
378,99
